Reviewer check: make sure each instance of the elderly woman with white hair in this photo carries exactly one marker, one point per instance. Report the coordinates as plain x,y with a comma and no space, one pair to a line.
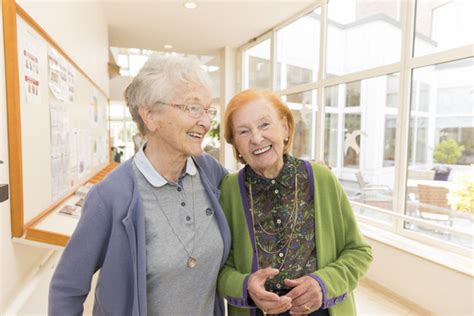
154,227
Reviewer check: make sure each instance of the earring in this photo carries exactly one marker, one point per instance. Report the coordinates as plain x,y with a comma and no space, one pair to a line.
287,139
239,155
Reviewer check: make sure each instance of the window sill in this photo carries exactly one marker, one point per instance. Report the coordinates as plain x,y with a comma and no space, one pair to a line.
442,257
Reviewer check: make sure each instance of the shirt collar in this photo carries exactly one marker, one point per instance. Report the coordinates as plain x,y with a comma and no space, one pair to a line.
154,177
285,177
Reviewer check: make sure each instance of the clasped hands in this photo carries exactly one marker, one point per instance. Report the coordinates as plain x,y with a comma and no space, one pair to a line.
304,297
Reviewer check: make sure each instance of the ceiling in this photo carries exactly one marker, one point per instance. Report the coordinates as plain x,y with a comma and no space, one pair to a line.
201,31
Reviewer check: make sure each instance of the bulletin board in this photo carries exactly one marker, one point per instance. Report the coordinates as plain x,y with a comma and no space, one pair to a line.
57,121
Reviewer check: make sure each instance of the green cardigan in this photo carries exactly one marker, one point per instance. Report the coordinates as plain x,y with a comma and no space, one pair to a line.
342,255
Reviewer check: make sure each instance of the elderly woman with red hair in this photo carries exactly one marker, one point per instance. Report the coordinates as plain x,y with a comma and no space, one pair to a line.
296,247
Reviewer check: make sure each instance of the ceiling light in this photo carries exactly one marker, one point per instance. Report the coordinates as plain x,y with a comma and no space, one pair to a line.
190,5
168,46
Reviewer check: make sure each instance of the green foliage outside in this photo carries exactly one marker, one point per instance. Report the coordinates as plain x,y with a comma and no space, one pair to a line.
214,131
448,152
461,198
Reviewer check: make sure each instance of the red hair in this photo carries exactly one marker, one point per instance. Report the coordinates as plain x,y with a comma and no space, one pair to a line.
243,98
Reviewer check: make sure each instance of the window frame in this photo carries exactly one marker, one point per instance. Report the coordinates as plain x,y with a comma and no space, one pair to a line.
404,68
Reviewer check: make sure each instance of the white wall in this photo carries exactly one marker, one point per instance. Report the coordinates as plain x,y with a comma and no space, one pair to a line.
80,29
16,260
431,286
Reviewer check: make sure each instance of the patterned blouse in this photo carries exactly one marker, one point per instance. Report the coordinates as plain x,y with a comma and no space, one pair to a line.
283,225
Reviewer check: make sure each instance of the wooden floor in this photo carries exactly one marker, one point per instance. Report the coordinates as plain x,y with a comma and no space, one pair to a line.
371,300
374,300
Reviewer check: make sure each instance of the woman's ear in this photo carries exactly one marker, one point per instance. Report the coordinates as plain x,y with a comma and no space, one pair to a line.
149,118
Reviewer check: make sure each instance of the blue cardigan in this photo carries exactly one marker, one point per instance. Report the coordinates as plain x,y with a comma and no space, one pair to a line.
110,236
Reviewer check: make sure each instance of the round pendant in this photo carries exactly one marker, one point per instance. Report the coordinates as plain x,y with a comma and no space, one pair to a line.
192,262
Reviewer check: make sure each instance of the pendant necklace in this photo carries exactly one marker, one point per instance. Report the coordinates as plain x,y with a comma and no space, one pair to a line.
192,261
288,242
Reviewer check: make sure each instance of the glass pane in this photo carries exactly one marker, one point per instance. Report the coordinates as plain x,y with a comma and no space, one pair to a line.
136,63
362,156
362,35
117,111
389,140
392,90
117,133
353,93
298,51
211,141
443,25
441,150
124,72
353,133
257,66
304,113
330,139
331,96
123,61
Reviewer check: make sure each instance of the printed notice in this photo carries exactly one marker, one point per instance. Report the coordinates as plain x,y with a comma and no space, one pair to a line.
31,70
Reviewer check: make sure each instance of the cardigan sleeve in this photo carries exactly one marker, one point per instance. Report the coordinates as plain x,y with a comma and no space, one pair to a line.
352,254
81,258
231,282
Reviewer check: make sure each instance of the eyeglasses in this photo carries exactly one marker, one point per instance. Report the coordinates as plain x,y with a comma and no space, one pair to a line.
194,110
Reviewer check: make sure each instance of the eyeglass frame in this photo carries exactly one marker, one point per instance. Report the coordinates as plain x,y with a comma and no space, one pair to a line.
185,108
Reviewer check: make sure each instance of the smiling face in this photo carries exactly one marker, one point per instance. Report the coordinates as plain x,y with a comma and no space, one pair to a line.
259,135
173,130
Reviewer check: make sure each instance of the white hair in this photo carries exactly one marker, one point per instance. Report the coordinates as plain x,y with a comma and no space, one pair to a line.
157,82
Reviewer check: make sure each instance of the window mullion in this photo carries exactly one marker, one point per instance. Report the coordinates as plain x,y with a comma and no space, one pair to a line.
403,120
320,115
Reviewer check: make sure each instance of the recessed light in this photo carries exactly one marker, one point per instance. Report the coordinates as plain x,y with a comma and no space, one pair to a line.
190,5
168,46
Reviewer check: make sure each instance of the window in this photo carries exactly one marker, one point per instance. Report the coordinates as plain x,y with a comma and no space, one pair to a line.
362,35
366,104
131,60
441,151
303,107
331,137
361,156
443,25
257,66
298,51
122,130
389,140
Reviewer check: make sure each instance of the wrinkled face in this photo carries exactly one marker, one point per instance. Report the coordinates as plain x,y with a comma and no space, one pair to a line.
175,132
259,135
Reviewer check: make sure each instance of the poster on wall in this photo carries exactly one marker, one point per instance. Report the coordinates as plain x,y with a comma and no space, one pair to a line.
60,171
70,88
30,62
94,109
73,160
63,80
54,77
103,149
84,152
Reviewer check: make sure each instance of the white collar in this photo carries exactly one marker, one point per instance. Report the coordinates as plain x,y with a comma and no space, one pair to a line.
149,172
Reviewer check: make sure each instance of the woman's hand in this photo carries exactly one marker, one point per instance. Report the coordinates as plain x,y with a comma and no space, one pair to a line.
306,295
268,302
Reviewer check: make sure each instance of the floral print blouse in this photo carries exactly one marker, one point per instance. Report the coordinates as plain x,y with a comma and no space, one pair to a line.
283,222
